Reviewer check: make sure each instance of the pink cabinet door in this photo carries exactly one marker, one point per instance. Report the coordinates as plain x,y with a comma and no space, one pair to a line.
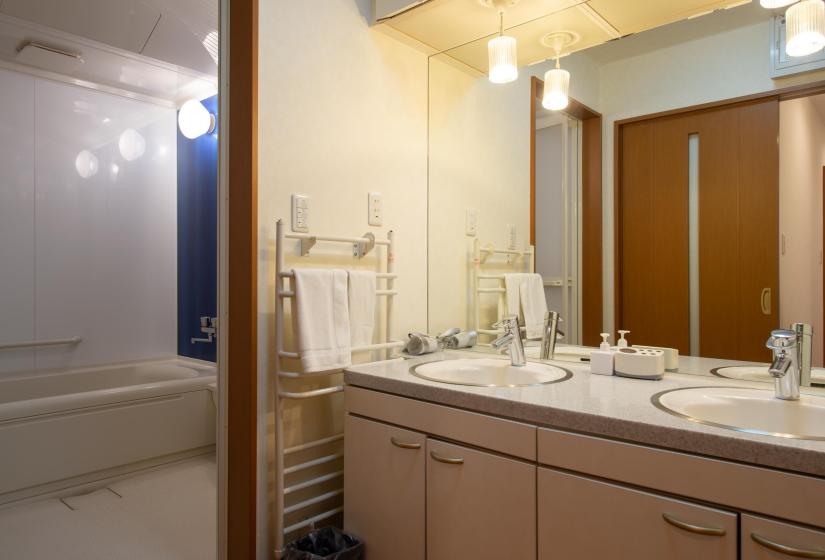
581,518
384,494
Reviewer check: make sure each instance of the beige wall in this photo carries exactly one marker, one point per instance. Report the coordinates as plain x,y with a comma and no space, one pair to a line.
342,111
801,158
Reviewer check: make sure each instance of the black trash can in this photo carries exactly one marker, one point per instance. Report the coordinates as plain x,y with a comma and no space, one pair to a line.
327,543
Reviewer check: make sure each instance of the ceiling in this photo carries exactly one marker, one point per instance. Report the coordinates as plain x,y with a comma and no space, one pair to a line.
158,48
462,28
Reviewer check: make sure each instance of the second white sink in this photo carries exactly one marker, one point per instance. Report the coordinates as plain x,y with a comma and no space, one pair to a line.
748,410
489,372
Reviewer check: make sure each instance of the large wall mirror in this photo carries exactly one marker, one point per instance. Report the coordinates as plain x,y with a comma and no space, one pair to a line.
679,195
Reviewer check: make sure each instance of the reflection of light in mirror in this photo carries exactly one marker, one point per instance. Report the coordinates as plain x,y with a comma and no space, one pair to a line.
556,88
114,171
195,120
131,144
212,44
163,150
86,164
805,28
106,120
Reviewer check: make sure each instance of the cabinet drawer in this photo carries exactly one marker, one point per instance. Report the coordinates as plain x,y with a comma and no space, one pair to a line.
582,518
764,539
480,430
384,470
479,505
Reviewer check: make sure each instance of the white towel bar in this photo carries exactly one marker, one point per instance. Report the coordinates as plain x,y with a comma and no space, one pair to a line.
34,343
312,444
311,521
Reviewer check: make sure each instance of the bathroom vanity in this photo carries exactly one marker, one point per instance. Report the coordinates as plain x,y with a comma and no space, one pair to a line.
582,468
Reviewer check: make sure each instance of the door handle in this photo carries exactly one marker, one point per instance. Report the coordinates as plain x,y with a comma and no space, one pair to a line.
786,549
448,460
692,527
765,301
404,445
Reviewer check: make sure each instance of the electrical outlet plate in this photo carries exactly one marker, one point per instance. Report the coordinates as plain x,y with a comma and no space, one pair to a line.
300,213
471,222
375,209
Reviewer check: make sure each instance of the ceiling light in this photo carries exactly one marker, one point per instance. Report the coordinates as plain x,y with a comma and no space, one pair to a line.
773,4
131,144
805,28
86,164
194,120
556,88
502,56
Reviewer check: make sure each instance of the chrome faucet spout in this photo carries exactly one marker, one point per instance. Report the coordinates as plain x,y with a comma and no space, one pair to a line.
510,341
785,369
550,334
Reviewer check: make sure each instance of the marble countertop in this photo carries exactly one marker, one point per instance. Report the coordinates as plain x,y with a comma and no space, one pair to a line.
609,406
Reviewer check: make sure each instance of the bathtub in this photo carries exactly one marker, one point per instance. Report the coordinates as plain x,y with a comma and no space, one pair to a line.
63,428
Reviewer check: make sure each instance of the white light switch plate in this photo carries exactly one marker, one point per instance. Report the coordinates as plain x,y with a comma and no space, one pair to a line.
300,213
375,209
471,222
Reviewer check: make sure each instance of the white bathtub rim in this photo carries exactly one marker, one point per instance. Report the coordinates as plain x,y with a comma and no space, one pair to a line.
200,365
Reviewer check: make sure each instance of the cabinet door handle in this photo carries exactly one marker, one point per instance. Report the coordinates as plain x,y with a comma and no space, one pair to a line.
693,528
448,460
785,549
404,445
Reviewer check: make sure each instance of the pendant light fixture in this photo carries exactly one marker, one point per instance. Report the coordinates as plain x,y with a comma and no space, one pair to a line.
502,55
556,88
805,28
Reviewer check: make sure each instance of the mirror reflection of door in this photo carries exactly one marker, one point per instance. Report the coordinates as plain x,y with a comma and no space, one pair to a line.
557,210
715,225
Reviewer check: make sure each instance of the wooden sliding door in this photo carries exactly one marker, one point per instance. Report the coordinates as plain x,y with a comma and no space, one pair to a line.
733,301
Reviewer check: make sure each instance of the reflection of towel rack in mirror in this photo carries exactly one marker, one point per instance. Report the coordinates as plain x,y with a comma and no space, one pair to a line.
284,290
483,282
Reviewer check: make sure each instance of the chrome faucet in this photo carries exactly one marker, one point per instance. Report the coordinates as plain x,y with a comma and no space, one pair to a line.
550,333
510,341
791,366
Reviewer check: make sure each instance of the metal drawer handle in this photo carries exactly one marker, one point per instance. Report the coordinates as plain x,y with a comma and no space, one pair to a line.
691,528
785,549
448,460
404,445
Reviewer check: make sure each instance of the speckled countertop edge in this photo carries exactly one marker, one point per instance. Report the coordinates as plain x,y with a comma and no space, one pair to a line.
611,407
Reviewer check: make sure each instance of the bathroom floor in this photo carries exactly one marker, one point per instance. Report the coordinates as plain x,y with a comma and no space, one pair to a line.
165,514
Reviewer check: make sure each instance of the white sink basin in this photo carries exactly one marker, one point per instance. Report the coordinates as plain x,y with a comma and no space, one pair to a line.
489,372
760,373
756,411
573,354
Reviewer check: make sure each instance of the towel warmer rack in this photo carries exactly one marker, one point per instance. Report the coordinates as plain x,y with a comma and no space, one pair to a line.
481,254
361,247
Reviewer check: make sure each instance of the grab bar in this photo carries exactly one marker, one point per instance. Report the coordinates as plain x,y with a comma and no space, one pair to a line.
33,343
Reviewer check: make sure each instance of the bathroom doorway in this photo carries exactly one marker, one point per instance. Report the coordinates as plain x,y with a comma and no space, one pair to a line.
117,281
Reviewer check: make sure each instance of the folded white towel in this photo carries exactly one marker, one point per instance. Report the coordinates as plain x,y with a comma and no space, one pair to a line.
533,304
525,299
361,307
321,316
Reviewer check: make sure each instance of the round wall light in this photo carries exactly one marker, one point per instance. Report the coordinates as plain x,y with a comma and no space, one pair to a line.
194,120
131,144
86,164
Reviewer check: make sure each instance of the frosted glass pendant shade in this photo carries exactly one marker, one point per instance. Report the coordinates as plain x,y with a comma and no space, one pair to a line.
773,4
503,59
556,89
805,28
194,120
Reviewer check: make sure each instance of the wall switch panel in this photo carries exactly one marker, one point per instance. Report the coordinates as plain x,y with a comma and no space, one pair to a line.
375,209
512,237
471,222
300,213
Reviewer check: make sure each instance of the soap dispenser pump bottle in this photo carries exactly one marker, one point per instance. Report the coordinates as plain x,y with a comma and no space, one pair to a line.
605,345
622,342
601,360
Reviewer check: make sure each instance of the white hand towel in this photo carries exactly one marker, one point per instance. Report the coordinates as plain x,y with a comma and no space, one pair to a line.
321,316
512,287
533,304
361,307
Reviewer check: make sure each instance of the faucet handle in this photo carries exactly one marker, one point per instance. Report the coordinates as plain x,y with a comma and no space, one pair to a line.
508,323
781,338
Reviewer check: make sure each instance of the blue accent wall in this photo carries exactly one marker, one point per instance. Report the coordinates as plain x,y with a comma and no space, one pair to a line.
197,238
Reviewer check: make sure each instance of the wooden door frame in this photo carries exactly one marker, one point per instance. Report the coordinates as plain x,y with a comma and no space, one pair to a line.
592,319
238,333
783,94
